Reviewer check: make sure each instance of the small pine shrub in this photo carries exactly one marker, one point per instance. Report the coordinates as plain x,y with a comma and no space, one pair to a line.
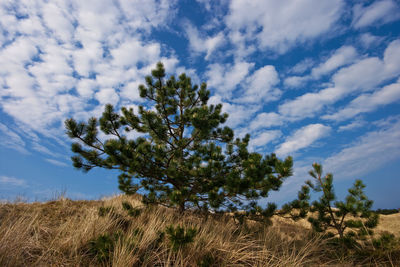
179,237
104,211
207,261
354,214
133,212
110,212
386,242
103,246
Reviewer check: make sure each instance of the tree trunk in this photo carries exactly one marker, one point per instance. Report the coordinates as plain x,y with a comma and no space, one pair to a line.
181,207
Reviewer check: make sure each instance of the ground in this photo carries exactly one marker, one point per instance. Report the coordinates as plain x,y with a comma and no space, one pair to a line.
63,232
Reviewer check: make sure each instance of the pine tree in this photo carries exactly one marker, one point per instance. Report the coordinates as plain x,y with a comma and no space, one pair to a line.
183,158
351,219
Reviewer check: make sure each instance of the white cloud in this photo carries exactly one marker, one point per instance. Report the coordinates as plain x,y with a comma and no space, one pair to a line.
148,13
379,12
21,51
303,138
368,102
130,91
57,162
42,149
367,39
352,126
243,47
12,181
206,3
132,51
265,120
255,87
224,79
260,86
368,153
264,138
203,45
392,59
42,112
55,57
57,17
296,81
278,25
214,6
386,122
106,96
364,75
53,75
86,87
308,104
302,66
12,140
341,57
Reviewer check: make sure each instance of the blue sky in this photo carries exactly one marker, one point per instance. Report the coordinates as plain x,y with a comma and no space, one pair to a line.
318,80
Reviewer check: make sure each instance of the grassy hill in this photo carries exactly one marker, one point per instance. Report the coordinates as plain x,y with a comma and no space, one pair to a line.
74,233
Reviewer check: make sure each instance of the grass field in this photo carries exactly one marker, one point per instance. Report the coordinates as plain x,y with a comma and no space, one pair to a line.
63,233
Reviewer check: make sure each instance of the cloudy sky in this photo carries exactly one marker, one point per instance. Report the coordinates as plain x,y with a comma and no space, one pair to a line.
318,80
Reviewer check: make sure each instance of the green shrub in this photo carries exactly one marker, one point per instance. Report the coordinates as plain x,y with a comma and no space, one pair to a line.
207,261
387,211
103,246
104,211
351,219
133,212
120,219
386,242
179,237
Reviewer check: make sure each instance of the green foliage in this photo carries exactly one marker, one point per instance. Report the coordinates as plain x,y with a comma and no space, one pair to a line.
207,261
298,208
133,212
120,219
386,242
387,211
179,237
104,211
183,157
353,215
103,246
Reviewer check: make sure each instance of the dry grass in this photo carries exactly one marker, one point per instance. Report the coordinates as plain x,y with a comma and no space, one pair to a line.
389,223
58,233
